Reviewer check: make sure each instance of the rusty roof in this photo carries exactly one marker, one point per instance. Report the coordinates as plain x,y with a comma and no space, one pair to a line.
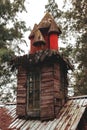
68,118
40,57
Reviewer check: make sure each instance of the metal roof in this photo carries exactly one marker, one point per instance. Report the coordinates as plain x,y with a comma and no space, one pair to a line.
68,118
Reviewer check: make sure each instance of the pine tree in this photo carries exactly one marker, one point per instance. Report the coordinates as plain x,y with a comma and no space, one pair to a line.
74,23
79,14
11,36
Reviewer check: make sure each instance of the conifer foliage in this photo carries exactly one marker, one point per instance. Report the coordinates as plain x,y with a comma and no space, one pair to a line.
73,19
11,36
79,13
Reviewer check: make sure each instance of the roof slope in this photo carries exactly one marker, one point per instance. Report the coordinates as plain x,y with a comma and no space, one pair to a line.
68,118
40,57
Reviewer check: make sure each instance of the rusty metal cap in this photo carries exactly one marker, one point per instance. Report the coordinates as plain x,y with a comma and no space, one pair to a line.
38,38
33,31
54,28
46,21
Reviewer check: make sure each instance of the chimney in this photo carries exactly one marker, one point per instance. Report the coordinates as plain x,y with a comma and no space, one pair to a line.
54,32
45,35
42,74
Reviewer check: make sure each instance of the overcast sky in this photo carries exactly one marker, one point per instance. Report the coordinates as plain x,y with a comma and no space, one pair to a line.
36,10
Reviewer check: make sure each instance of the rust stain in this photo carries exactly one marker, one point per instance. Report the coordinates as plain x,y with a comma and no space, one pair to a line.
5,119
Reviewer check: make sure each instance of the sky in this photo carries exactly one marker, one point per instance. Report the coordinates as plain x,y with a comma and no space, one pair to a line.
36,10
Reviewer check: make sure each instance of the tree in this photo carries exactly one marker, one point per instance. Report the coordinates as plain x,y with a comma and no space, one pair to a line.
79,14
74,23
11,36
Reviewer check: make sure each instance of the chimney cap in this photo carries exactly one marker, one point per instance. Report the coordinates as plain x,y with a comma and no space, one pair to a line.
48,22
45,22
54,28
33,31
38,38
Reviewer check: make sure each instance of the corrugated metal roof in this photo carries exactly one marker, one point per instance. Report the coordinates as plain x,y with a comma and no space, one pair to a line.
67,119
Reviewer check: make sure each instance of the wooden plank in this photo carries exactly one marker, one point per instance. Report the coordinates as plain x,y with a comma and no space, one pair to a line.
56,66
46,102
21,110
58,95
21,100
22,89
45,106
46,109
47,91
22,74
47,97
46,84
46,76
21,82
21,94
46,79
22,78
46,73
47,69
57,77
20,68
47,115
57,86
